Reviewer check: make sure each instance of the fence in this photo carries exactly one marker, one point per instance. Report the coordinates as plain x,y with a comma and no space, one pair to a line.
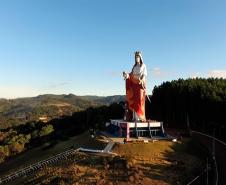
34,167
217,151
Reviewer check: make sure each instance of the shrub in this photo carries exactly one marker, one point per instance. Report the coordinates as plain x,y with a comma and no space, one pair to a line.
46,130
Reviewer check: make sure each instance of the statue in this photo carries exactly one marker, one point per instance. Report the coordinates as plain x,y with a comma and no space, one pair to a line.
136,90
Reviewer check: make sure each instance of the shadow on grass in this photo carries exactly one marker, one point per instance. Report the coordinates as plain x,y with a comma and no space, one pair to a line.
53,142
177,163
187,158
50,145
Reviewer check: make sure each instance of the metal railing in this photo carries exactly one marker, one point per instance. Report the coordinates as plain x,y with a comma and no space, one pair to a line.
34,167
198,177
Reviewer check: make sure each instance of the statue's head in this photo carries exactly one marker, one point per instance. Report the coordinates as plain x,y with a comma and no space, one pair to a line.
138,58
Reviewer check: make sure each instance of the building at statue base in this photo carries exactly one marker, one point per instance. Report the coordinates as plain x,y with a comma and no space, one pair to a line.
121,128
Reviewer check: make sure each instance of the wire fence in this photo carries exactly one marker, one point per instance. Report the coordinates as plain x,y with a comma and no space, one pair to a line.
200,179
215,170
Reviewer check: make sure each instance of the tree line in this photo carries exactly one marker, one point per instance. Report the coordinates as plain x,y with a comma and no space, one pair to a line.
199,102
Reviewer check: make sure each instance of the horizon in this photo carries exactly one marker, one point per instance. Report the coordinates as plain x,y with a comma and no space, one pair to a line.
81,47
100,95
58,95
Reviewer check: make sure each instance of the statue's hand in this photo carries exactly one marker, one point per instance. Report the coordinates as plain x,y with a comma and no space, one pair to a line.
141,81
125,75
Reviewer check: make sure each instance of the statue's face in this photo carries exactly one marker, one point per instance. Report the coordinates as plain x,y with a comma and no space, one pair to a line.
137,58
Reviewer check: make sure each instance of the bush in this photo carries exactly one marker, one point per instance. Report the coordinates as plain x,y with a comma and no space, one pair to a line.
4,151
46,130
16,148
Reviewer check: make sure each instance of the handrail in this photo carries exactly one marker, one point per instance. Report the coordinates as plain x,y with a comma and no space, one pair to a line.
37,165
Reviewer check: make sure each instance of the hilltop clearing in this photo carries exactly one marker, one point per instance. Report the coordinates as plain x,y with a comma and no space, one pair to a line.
160,163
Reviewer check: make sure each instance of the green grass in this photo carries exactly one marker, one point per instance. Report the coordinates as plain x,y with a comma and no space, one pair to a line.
168,161
143,149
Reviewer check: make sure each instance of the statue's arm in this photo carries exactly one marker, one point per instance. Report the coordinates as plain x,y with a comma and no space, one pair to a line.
143,76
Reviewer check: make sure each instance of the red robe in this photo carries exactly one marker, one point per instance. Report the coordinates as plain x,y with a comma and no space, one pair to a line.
135,95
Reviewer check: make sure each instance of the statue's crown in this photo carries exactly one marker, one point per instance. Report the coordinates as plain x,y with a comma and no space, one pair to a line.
137,52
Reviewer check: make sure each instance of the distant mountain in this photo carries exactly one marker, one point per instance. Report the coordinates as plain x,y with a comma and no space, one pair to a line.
48,106
104,99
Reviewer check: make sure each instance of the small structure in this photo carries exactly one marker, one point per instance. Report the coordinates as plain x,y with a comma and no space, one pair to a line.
121,128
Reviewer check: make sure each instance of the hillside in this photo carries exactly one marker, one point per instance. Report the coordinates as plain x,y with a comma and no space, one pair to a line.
45,107
160,163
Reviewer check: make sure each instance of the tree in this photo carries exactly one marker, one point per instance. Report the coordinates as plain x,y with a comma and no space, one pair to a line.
46,130
203,100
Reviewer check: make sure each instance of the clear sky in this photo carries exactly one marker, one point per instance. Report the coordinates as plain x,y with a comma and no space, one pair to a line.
82,46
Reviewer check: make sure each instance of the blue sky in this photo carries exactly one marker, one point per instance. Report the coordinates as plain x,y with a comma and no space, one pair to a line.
82,46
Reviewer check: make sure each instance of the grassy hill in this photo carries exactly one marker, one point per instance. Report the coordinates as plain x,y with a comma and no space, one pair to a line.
160,163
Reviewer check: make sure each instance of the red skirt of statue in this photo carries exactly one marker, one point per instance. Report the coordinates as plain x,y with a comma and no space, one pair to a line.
135,95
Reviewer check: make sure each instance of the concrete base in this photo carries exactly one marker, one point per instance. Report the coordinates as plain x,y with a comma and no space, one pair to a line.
121,128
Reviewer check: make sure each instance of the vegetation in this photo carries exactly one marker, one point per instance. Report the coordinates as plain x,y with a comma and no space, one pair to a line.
14,112
50,148
202,102
67,116
17,139
46,130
